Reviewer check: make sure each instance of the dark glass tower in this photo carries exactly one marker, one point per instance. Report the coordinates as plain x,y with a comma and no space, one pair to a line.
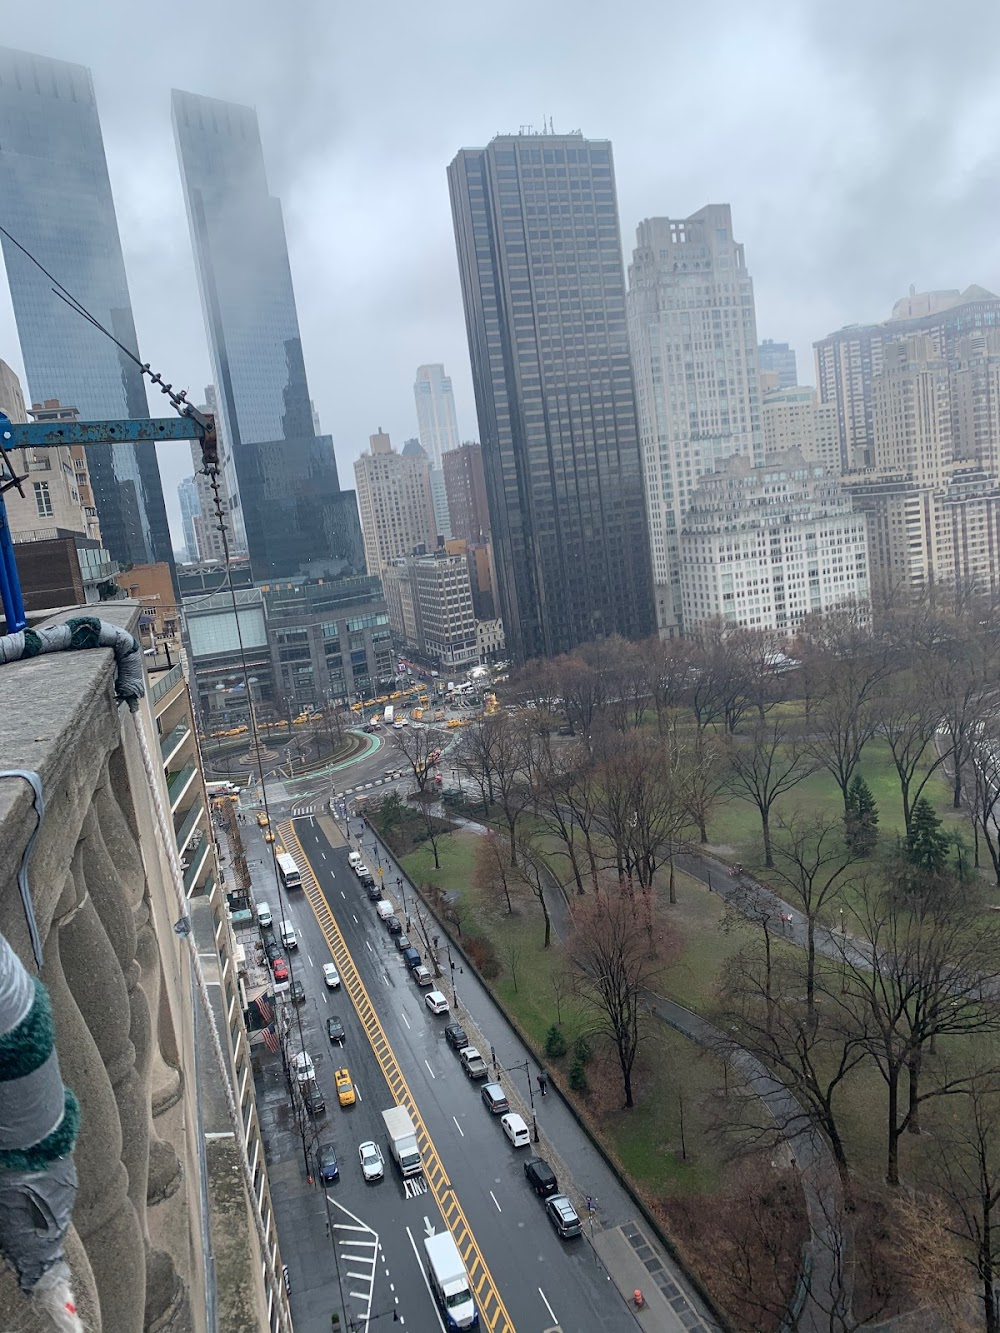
286,502
55,198
539,251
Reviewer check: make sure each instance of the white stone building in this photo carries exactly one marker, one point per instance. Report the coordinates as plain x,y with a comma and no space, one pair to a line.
795,419
763,547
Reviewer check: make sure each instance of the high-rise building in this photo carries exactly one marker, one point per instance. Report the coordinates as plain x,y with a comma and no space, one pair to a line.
190,506
429,599
55,199
848,361
436,417
693,332
540,261
439,495
779,359
912,412
286,504
465,486
796,419
766,546
394,497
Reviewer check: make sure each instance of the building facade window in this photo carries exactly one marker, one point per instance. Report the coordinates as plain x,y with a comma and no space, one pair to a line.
43,500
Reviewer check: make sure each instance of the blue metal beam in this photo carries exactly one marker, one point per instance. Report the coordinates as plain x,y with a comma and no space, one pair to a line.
52,434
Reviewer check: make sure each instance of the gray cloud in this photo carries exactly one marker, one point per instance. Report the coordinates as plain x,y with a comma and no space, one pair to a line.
855,145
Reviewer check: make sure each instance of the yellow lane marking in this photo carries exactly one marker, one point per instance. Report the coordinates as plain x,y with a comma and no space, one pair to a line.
492,1310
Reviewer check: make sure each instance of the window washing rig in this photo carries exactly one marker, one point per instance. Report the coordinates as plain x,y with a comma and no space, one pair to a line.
190,425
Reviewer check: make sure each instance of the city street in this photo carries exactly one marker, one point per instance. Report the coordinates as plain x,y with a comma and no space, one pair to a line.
525,1277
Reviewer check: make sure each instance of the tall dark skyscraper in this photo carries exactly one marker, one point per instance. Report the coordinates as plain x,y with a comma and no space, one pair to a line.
285,497
55,198
539,251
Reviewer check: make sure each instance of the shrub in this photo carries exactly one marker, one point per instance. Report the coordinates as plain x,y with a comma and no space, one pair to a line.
482,953
582,1050
578,1076
555,1043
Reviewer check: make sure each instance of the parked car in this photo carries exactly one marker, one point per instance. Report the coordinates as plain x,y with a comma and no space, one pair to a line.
494,1098
280,969
264,917
345,1088
472,1062
393,925
436,1002
298,992
456,1036
402,941
273,950
541,1177
411,957
303,1066
372,1165
371,888
331,976
516,1130
335,1029
361,870
314,1100
422,976
327,1163
563,1216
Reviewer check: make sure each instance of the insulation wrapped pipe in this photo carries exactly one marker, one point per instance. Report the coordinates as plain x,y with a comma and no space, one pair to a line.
39,1119
83,632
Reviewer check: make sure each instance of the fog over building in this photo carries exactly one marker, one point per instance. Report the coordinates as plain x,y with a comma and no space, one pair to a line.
55,198
436,416
286,505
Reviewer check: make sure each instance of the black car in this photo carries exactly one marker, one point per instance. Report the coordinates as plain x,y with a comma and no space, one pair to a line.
327,1163
372,889
314,1100
456,1037
392,925
541,1177
402,941
273,950
298,992
335,1029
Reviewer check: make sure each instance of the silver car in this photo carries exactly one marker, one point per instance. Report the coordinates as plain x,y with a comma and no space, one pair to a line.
372,1165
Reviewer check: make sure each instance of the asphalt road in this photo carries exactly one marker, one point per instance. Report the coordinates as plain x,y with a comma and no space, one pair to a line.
530,1279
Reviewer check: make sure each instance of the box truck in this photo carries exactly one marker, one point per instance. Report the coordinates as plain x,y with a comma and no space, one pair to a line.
403,1140
450,1282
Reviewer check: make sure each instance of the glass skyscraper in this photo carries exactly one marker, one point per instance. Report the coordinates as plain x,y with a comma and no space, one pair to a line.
539,250
285,497
55,198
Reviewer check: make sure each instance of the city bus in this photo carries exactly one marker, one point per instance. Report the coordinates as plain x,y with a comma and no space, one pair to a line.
288,872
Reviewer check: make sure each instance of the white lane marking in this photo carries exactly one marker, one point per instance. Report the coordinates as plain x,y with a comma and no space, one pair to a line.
548,1307
343,894
404,1018
309,957
323,855
433,1302
356,921
500,1210
369,947
459,1128
430,1070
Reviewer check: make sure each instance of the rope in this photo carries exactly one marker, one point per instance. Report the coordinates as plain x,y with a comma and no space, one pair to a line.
236,1120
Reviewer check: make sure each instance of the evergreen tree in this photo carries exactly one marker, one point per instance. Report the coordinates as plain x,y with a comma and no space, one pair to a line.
926,846
861,819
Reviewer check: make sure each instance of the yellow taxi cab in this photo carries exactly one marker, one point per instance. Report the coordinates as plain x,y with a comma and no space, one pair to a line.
356,708
418,714
439,715
262,820
269,836
345,1088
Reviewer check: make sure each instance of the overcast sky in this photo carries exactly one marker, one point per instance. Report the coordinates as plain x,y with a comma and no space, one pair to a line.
857,145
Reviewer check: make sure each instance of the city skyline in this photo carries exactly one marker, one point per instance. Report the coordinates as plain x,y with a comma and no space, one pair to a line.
826,248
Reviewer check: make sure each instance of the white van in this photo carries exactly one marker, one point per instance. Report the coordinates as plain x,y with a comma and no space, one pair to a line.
263,914
353,859
385,909
288,936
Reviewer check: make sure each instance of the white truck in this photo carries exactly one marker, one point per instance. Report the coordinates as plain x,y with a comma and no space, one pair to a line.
388,715
403,1140
450,1282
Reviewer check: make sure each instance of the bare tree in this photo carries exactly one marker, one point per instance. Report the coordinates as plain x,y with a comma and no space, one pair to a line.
472,759
965,1170
764,766
908,716
506,740
705,779
562,985
814,864
928,969
416,744
583,691
962,671
551,778
534,874
667,672
493,872
610,955
984,796
511,952
811,1057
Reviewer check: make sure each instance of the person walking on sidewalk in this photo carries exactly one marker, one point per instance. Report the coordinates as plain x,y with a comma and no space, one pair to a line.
543,1082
